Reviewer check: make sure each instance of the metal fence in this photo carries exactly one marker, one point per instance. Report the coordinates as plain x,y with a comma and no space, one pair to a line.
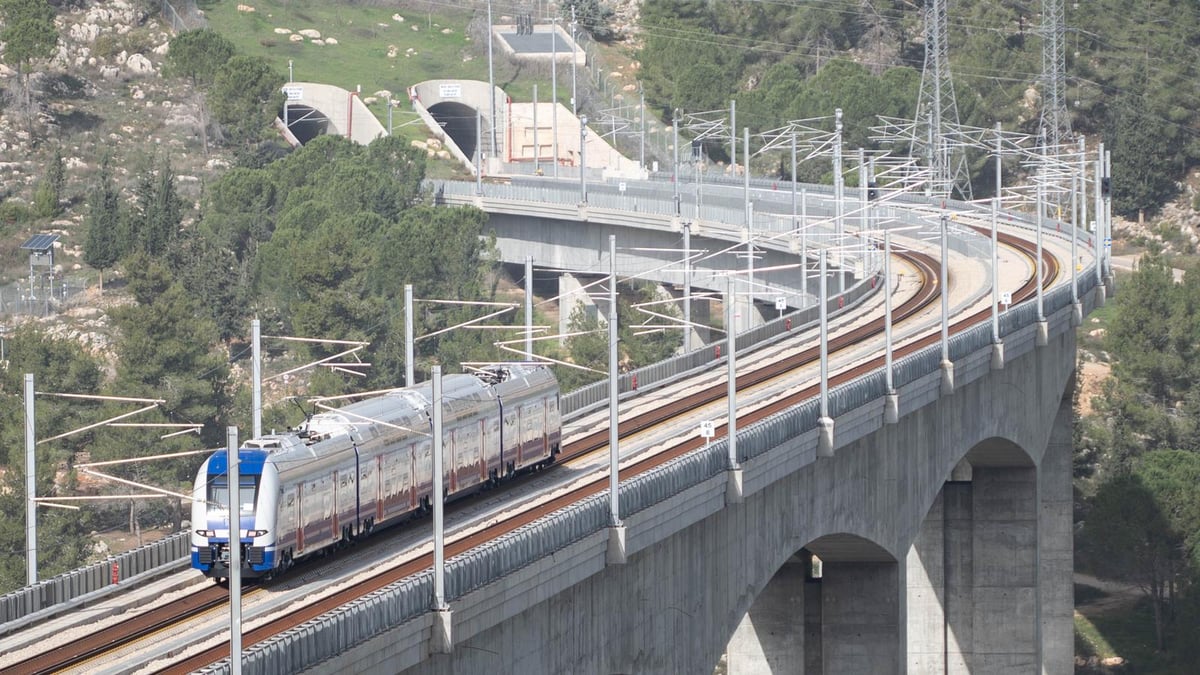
183,15
56,593
48,297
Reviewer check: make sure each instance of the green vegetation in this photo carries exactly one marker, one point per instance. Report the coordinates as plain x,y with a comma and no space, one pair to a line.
1130,634
590,347
28,34
1138,469
1089,641
366,34
58,365
1130,71
199,55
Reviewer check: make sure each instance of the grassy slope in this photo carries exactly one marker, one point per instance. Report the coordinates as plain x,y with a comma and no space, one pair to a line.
364,35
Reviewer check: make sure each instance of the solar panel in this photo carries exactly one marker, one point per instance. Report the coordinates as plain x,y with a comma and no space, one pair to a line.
40,242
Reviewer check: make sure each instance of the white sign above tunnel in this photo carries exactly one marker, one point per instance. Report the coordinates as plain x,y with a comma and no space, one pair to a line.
293,93
452,90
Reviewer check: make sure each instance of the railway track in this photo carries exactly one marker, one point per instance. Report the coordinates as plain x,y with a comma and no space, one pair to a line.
161,619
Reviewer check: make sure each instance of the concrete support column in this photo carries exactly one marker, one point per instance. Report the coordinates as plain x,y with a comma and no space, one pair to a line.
701,313
1006,622
926,580
1057,551
958,563
813,658
572,295
860,618
770,638
940,614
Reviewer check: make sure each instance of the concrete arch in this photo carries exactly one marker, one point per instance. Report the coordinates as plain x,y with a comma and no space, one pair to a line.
997,451
844,547
830,607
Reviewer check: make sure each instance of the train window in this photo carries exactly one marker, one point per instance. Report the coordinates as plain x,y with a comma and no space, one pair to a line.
218,492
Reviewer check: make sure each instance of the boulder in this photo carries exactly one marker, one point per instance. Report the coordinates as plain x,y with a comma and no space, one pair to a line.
139,64
84,32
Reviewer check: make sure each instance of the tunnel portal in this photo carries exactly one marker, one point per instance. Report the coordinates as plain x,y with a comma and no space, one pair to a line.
458,120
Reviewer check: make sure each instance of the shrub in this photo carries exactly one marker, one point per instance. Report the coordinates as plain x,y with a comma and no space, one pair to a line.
14,213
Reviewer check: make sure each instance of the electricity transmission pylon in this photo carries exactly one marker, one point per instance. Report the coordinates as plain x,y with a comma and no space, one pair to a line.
1055,120
937,111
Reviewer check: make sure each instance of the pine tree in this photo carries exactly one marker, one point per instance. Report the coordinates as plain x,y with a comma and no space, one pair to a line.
158,211
47,198
103,247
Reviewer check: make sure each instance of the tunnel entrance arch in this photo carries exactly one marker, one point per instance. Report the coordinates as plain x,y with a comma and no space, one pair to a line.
460,123
305,122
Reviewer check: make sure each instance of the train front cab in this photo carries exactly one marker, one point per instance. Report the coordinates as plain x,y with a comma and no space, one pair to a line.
258,494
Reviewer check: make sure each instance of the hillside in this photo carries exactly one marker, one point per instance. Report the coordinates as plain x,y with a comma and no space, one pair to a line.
250,208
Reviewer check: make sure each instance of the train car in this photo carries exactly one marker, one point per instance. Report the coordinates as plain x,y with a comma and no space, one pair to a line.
349,471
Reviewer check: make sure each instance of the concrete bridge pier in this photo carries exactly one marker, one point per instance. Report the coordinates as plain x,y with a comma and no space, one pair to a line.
1006,625
839,614
985,586
572,294
701,314
860,617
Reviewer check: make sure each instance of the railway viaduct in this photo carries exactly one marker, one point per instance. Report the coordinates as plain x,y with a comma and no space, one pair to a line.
921,523
928,529
932,538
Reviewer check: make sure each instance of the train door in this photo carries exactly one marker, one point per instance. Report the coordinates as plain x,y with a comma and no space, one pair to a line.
423,470
490,447
528,434
546,452
370,484
346,502
287,525
409,477
510,439
299,518
480,451
333,508
451,457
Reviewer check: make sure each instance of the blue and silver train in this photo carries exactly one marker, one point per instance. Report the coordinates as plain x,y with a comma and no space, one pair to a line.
369,464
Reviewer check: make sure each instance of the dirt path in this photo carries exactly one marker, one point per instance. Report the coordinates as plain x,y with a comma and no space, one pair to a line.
1119,596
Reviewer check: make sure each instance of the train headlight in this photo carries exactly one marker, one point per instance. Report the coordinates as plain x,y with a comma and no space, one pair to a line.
256,533
206,533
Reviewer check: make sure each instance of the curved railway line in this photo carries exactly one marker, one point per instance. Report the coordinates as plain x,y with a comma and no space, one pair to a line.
207,599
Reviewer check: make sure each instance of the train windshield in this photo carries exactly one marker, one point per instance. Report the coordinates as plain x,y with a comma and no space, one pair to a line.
218,492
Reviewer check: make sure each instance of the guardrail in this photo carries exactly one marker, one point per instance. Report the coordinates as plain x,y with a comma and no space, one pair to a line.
52,595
